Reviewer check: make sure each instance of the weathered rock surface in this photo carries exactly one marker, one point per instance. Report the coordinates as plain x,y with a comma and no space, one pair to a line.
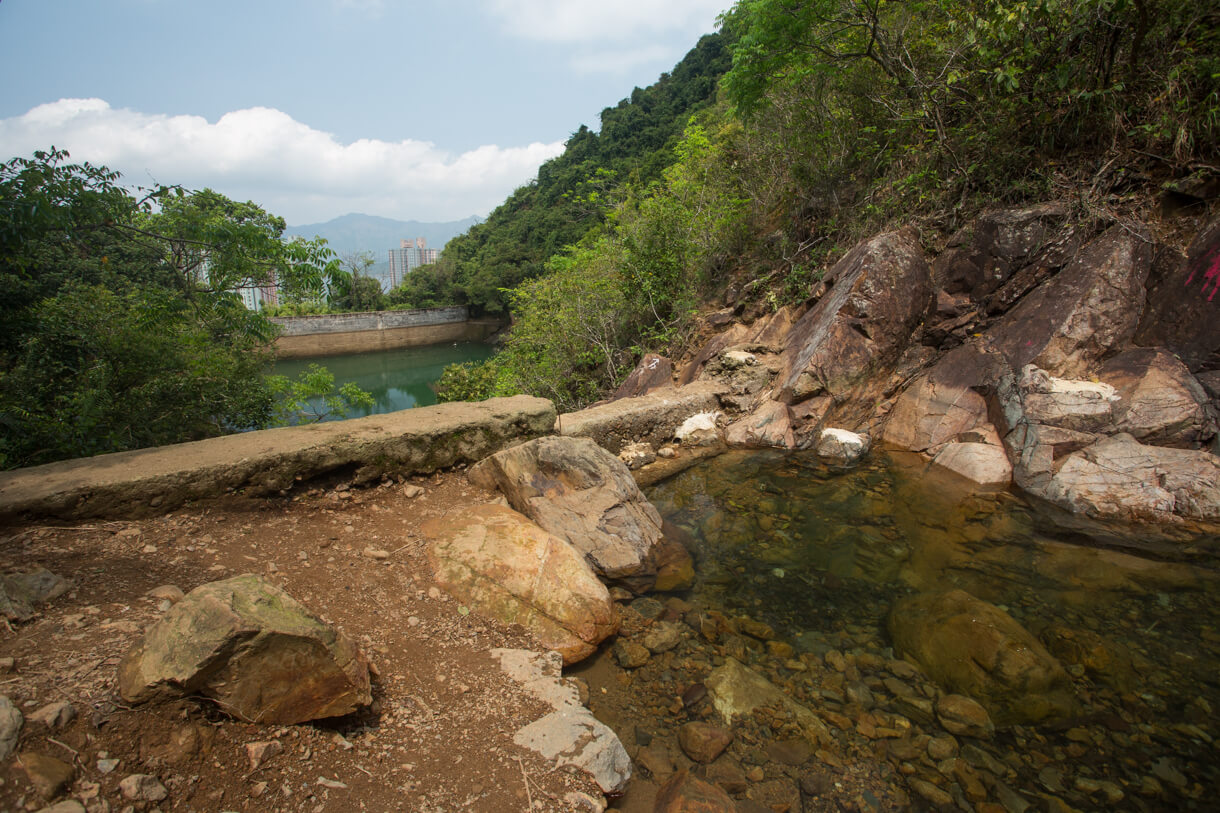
684,793
877,295
248,645
703,742
581,493
569,734
738,690
650,418
983,463
963,716
841,446
1183,312
700,430
10,727
504,565
637,455
651,373
1120,478
944,405
769,425
409,441
974,648
49,776
1088,310
21,593
981,258
1159,401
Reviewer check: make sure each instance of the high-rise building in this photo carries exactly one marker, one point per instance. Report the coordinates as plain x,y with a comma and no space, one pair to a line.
409,255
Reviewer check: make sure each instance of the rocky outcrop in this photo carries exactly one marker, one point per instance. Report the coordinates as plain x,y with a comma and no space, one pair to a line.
943,405
976,649
247,645
1159,401
151,481
1087,311
653,372
875,298
504,565
586,496
1183,311
568,734
985,464
770,425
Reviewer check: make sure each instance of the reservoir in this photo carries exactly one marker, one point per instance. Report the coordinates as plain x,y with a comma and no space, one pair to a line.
397,379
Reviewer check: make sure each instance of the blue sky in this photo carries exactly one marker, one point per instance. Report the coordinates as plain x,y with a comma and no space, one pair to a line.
428,110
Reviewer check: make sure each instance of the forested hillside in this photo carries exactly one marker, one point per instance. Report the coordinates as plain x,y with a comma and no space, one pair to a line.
836,119
568,197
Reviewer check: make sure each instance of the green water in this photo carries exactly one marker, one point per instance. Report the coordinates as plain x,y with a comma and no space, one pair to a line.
397,379
821,554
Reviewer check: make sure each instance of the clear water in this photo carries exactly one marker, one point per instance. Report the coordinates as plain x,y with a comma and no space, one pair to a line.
820,554
397,379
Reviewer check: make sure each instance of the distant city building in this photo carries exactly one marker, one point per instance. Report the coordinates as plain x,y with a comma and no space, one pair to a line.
410,254
256,296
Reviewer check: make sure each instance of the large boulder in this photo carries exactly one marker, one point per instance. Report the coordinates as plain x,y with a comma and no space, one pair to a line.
253,649
568,734
1159,401
876,297
944,405
1089,310
503,564
769,425
1120,478
985,464
586,496
974,648
1183,312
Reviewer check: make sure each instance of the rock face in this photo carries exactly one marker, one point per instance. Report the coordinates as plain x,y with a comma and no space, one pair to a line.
877,295
584,495
769,425
1159,401
980,259
1088,310
569,734
652,372
983,463
503,564
248,645
1121,478
944,405
1183,312
974,648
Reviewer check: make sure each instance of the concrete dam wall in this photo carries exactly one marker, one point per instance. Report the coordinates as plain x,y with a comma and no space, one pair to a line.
334,334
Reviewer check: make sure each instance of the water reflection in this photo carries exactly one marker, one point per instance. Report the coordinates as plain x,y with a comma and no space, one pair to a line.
397,379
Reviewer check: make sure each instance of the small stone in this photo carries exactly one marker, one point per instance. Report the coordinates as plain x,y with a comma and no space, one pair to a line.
149,549
859,694
376,553
663,637
656,761
1164,770
629,654
756,774
107,766
962,716
10,727
66,806
143,787
49,776
790,752
7,665
728,775
667,452
756,629
412,491
54,715
703,742
260,752
333,784
940,748
932,794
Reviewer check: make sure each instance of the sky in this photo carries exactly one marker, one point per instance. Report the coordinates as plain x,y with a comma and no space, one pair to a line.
430,110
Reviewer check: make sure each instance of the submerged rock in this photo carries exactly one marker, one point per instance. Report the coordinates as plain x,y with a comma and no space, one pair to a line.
249,646
584,495
684,793
841,446
974,648
738,690
504,565
569,734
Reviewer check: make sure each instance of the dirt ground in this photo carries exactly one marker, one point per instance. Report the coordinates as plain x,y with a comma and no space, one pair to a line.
438,737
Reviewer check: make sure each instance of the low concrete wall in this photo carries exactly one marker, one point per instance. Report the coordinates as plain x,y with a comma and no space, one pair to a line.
333,334
151,481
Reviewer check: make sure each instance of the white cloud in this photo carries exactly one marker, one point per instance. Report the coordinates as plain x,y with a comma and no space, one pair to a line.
289,168
620,60
584,21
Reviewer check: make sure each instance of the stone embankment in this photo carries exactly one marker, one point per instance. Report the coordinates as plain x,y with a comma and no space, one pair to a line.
333,334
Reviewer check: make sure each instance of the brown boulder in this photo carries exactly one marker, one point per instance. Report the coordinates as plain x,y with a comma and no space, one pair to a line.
703,742
943,405
684,793
652,372
249,646
1159,401
1087,311
769,425
974,648
586,496
503,564
877,295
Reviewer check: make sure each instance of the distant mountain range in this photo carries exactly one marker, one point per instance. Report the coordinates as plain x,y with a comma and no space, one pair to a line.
354,232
